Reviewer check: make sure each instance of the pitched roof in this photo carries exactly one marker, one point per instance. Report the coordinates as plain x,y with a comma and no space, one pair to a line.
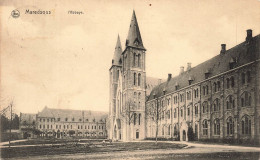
69,113
242,54
134,36
117,53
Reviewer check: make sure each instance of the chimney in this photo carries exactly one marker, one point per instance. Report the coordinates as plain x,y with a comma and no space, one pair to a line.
159,81
223,49
188,66
169,77
249,35
181,69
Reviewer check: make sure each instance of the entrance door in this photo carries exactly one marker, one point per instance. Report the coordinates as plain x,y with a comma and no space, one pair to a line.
137,135
184,135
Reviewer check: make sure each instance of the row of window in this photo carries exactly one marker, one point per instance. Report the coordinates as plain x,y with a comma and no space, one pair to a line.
245,126
67,127
66,119
230,103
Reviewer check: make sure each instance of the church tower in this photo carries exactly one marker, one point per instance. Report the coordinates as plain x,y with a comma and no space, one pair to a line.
133,86
114,73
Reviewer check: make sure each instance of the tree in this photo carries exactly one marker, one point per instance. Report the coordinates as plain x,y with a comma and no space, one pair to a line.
128,112
155,113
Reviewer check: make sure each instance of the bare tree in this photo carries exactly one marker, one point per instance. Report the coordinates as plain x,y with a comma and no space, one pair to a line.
156,113
128,111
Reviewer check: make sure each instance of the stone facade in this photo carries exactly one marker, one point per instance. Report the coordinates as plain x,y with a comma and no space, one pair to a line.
217,99
62,123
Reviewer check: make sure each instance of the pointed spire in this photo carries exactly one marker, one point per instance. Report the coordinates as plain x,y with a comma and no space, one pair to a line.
117,53
134,37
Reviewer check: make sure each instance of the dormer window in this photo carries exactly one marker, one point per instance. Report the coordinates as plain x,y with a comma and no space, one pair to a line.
207,74
190,80
232,63
176,86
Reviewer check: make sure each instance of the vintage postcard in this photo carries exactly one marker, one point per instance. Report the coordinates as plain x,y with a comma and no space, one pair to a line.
137,79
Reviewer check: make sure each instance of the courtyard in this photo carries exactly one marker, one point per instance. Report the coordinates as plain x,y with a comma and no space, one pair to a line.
97,149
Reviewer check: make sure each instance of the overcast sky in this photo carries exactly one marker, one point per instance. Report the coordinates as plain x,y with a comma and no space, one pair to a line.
62,60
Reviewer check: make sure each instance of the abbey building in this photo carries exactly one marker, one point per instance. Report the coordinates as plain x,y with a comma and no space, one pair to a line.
217,99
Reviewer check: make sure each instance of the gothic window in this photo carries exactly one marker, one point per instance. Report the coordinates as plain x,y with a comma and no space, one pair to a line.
245,99
230,126
181,112
139,60
227,82
232,82
216,127
216,105
139,119
246,125
188,111
219,87
139,79
175,132
215,87
243,78
134,56
134,78
205,107
162,130
175,113
205,127
169,129
196,109
230,102
135,118
248,76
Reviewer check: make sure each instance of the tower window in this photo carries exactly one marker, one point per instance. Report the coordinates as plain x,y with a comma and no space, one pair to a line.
139,79
139,60
134,78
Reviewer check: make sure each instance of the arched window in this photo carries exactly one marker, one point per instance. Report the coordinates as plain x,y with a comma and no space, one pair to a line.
216,105
175,132
205,107
134,78
230,126
219,87
246,125
243,78
139,79
139,119
205,127
232,82
227,82
215,87
135,118
245,99
216,127
248,76
134,55
230,101
139,60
